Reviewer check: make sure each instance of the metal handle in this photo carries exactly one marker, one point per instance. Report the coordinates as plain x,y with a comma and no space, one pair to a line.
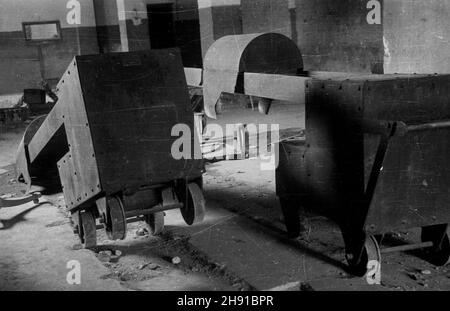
428,126
20,201
399,128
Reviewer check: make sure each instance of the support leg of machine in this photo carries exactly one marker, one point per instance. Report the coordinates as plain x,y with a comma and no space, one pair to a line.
439,253
291,215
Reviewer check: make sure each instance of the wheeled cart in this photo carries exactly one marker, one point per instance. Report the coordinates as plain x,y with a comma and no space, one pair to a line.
375,158
108,144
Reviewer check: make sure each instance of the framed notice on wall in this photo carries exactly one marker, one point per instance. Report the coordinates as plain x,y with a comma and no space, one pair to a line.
42,31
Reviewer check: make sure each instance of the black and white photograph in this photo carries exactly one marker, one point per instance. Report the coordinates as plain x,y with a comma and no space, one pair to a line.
220,152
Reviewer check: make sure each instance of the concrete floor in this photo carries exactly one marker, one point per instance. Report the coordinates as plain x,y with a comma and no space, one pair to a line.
240,246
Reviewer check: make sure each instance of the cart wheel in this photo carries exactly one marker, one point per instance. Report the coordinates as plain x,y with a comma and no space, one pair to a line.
87,230
193,210
359,263
291,217
116,226
155,223
439,254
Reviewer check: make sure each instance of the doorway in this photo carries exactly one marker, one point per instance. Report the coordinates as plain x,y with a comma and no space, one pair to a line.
161,21
167,31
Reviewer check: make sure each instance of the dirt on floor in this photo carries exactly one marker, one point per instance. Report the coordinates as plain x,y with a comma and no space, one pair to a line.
241,245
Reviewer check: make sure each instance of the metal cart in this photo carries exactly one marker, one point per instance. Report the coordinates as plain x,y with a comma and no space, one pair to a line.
375,159
107,144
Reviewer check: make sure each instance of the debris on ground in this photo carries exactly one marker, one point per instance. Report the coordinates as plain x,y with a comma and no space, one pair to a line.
141,232
150,266
104,256
413,276
57,223
236,285
153,266
77,247
176,260
115,256
306,287
7,196
107,256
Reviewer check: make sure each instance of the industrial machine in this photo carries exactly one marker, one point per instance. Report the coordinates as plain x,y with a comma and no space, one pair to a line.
374,155
375,160
107,144
255,65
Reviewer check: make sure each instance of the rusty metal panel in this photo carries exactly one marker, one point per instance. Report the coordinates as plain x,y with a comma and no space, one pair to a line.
78,133
22,159
413,189
335,154
413,99
133,100
66,129
49,127
70,181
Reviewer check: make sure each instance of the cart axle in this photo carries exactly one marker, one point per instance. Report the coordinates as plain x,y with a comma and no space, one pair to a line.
155,209
407,247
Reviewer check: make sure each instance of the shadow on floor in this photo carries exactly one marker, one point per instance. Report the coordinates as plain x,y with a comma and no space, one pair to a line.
10,223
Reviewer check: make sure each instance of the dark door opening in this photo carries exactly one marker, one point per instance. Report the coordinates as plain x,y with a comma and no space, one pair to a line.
167,31
161,25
